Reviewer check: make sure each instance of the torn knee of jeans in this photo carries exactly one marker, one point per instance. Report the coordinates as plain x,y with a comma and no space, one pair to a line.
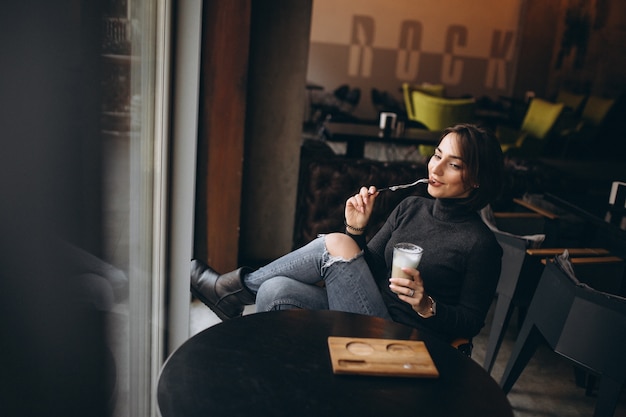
280,305
330,260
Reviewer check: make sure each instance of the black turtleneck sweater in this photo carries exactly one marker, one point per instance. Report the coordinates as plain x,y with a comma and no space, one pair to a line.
460,264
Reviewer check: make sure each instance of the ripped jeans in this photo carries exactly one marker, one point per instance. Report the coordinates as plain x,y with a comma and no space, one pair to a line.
292,282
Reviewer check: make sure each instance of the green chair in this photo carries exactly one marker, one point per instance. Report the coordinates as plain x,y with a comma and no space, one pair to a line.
572,101
438,113
596,109
437,90
589,126
537,125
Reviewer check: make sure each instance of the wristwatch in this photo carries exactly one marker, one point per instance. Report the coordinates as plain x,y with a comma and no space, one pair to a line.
433,309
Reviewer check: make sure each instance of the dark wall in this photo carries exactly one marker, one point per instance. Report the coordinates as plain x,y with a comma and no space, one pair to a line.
537,33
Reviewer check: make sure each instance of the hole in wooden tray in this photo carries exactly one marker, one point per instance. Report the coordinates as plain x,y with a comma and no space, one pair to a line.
399,349
360,348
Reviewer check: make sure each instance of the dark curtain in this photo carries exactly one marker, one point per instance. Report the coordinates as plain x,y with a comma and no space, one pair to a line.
52,341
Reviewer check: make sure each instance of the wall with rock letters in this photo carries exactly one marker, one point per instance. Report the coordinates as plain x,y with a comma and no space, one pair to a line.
470,46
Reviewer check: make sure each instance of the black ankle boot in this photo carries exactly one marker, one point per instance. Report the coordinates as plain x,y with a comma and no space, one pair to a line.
224,294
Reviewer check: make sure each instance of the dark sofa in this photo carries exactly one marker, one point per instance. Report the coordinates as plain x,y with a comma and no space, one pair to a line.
326,180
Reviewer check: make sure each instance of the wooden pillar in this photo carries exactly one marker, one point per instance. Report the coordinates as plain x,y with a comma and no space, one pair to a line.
225,48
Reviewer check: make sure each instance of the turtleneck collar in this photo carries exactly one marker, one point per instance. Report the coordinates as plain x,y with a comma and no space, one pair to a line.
451,210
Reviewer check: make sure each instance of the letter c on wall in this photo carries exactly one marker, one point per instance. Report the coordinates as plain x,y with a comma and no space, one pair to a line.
452,69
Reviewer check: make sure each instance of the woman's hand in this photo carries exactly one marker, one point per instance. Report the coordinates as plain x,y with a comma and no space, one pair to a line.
411,291
359,208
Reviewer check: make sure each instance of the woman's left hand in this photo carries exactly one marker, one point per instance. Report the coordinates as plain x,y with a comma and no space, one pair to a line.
411,291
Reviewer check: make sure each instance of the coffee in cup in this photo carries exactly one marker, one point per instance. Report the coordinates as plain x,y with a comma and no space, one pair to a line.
405,255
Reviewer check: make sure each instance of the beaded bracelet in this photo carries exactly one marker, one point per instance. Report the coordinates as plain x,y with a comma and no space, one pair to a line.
356,229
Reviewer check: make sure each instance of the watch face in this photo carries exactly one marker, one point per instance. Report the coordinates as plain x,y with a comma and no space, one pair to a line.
432,311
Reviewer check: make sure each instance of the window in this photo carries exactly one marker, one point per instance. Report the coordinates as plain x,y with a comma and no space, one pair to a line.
148,223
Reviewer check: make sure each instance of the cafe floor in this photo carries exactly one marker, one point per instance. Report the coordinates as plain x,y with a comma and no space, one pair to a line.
546,388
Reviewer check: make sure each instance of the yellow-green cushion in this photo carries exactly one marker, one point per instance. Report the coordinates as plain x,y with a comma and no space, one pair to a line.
437,90
596,109
571,100
438,113
541,117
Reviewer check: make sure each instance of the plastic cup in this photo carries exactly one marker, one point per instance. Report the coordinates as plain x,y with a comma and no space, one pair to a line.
405,255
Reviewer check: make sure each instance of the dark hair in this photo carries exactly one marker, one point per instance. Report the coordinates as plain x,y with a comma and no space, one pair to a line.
484,163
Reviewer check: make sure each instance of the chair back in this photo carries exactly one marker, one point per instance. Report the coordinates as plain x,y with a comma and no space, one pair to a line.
572,101
529,227
519,273
541,117
610,278
515,288
437,90
438,113
513,255
578,322
596,109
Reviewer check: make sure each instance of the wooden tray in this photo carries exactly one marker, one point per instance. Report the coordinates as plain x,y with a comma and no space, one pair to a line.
381,357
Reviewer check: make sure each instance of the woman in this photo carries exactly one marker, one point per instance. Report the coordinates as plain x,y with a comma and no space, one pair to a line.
451,291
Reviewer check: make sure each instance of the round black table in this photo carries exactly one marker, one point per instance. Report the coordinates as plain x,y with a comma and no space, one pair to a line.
278,364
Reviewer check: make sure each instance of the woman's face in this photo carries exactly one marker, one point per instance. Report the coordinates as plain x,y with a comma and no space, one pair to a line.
445,170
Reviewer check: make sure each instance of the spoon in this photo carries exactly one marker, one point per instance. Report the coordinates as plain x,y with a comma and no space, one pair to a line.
402,186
